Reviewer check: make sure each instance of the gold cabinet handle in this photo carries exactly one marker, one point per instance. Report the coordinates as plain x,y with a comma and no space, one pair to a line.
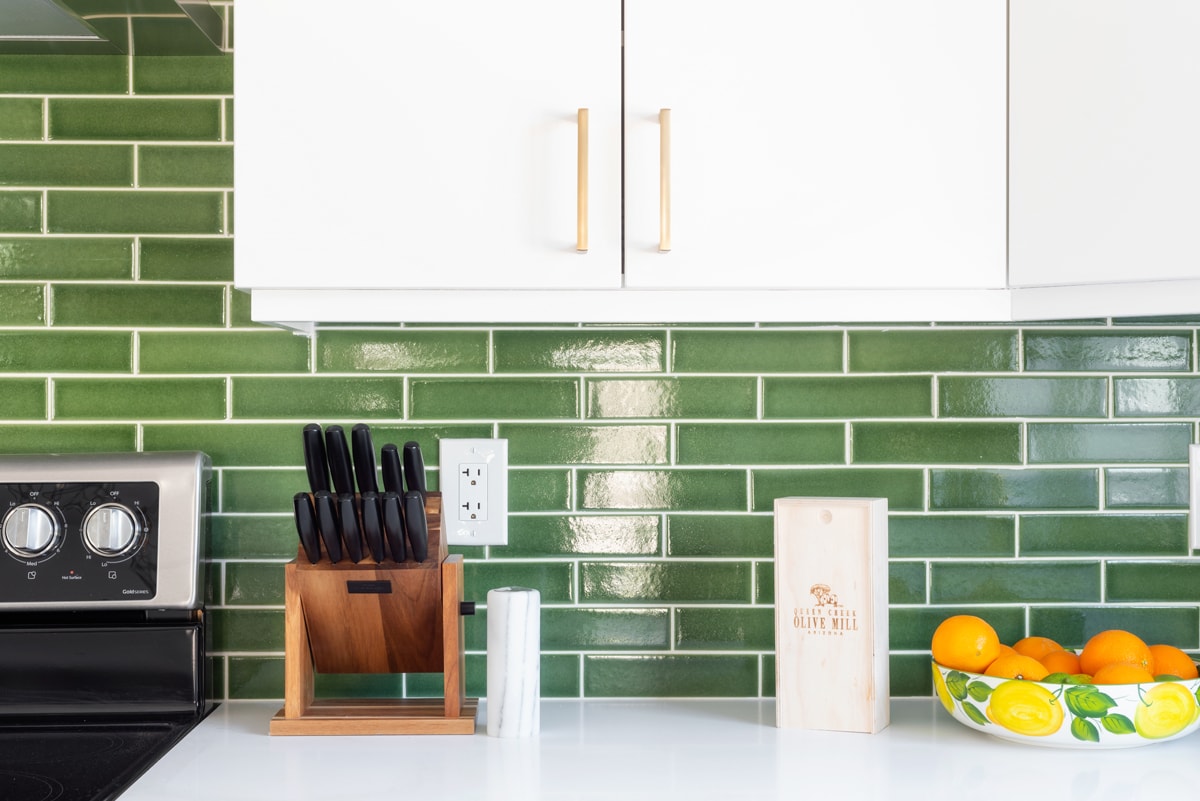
664,180
581,214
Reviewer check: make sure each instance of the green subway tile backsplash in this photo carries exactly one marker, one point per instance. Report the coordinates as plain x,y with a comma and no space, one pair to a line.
1035,474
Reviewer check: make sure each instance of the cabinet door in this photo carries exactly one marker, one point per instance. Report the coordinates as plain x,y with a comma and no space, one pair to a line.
849,144
385,144
1104,133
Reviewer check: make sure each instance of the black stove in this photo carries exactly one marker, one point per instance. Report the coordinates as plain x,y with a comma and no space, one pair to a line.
103,636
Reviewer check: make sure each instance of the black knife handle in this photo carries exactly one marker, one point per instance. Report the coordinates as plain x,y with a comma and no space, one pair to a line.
364,458
414,468
314,458
393,475
338,452
416,525
372,524
347,506
393,525
306,526
327,524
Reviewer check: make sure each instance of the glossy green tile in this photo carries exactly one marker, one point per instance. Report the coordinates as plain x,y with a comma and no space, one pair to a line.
1107,351
254,583
1159,581
66,165
1101,535
577,629
932,351
262,351
720,535
20,118
559,678
554,580
49,75
247,629
906,583
49,258
985,489
583,351
231,444
936,443
255,677
1157,397
402,351
904,488
756,351
665,582
175,36
619,535
1074,626
318,397
911,629
968,396
909,675
138,305
951,536
761,443
545,444
539,490
139,399
724,629
848,397
183,259
1109,442
20,212
1014,582
65,351
671,397
135,212
764,583
24,398
68,438
252,536
135,118
1146,488
514,398
358,685
612,676
669,490
166,165
183,75
256,491
24,304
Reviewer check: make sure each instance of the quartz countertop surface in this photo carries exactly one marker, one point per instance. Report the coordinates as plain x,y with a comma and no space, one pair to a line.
658,750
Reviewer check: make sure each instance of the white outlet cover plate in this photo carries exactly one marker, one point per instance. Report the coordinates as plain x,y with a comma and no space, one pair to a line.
1194,487
456,456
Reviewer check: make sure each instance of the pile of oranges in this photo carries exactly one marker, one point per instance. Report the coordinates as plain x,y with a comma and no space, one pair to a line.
1115,656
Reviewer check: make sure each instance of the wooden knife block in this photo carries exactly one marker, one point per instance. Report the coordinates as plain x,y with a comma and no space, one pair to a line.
376,618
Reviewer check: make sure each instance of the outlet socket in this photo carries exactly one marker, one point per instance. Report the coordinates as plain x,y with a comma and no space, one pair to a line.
1194,488
473,477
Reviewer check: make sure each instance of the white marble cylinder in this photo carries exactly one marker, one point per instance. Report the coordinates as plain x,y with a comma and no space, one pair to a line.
514,633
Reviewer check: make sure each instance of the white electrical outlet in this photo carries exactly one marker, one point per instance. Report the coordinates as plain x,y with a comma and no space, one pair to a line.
1194,487
473,478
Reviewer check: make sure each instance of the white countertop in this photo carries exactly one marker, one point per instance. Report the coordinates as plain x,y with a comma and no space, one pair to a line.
628,750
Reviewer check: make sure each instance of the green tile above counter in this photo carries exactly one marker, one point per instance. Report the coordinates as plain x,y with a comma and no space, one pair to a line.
1035,474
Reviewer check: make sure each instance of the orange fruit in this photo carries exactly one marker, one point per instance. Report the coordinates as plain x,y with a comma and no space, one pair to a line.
1061,661
1017,666
965,642
1122,673
1170,661
1037,647
1115,645
1005,649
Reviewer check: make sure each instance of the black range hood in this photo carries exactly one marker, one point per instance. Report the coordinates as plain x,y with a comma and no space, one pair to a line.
110,27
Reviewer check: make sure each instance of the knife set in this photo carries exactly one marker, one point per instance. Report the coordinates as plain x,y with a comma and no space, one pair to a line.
339,522
371,590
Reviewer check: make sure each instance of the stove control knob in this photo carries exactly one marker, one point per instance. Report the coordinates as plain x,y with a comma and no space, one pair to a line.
112,530
31,530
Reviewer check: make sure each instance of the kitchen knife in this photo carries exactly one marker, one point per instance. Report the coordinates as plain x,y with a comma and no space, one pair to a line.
393,475
416,525
364,458
327,524
393,525
414,468
314,458
338,452
372,524
306,526
347,506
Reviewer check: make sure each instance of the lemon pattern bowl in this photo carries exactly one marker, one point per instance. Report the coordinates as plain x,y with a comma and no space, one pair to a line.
1062,714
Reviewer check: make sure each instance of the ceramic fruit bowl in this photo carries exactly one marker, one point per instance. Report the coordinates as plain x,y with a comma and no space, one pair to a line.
1062,714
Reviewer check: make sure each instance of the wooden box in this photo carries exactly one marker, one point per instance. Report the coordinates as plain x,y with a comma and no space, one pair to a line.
831,614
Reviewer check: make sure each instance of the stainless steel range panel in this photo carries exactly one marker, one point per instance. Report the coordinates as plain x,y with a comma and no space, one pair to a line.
103,653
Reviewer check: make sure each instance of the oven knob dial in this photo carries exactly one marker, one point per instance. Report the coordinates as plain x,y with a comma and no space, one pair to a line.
31,530
112,530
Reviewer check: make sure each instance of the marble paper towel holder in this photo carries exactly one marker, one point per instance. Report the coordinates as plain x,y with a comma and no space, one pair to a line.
331,625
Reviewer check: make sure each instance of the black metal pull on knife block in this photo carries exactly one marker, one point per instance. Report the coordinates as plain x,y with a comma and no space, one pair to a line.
376,618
